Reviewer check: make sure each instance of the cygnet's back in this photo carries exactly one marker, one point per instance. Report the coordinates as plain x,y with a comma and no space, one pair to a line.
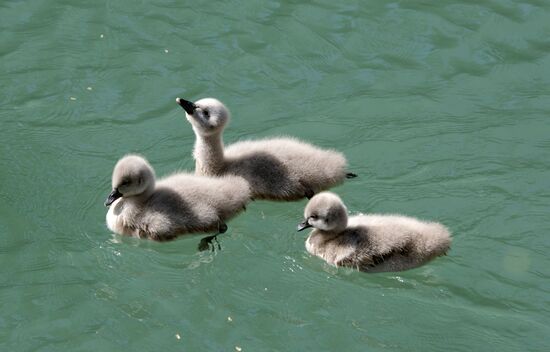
225,195
277,168
285,168
371,243
178,204
399,242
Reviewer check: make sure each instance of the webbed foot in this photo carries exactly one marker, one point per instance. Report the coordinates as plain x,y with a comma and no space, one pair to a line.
209,242
308,192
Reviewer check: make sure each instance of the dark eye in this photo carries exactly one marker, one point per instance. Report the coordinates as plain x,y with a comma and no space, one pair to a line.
314,217
206,113
125,182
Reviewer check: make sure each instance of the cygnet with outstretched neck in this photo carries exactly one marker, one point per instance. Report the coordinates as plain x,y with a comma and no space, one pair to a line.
277,169
178,204
370,243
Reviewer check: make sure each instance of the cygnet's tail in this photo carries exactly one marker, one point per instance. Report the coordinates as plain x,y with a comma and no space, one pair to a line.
351,175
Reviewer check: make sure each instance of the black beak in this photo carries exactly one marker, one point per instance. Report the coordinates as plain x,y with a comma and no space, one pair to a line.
187,105
115,194
303,225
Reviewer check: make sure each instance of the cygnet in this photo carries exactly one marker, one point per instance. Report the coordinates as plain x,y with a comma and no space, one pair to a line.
276,169
178,204
370,243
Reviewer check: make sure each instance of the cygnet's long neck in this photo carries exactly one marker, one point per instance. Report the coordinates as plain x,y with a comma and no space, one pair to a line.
146,194
337,228
208,154
137,200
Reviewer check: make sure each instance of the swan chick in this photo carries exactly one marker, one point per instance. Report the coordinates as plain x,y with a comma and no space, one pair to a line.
281,168
140,206
373,242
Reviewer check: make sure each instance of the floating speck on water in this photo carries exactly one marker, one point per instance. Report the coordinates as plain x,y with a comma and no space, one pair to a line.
238,349
265,288
178,336
72,98
229,319
101,36
166,51
89,88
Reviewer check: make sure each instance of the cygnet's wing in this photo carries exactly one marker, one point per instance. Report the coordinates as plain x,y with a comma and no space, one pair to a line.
209,199
397,242
287,159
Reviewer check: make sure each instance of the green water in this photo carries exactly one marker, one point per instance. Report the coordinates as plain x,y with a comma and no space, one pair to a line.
442,108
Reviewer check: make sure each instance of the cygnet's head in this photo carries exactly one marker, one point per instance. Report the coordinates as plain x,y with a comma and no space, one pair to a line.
326,212
132,176
208,116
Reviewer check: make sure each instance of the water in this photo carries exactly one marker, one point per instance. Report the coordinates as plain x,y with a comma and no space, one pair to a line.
441,108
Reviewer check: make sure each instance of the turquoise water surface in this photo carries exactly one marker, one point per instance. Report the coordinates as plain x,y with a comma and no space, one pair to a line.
442,108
